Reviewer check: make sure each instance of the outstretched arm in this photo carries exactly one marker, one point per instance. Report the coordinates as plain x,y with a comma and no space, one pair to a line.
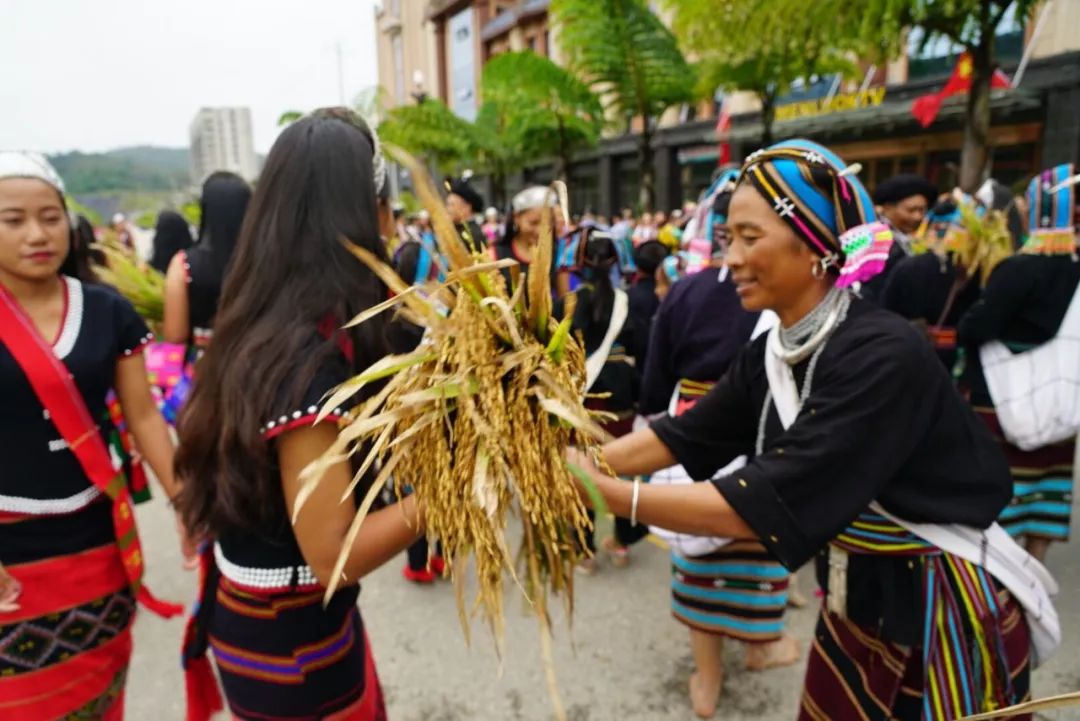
324,520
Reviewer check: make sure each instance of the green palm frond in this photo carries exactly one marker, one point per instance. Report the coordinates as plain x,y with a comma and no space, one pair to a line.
624,51
547,108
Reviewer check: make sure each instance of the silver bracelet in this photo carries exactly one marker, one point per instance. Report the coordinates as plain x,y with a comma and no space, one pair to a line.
634,500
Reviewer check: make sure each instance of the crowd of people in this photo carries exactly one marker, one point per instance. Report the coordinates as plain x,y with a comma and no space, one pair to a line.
794,371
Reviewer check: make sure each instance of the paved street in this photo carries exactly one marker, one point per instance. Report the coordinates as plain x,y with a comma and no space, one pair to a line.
625,660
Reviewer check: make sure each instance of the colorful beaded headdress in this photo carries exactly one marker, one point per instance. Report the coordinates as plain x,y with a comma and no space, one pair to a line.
820,198
1051,197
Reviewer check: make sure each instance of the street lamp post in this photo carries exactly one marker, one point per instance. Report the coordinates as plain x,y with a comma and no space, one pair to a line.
419,94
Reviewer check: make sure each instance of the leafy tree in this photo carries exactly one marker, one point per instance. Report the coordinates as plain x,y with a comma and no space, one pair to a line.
431,131
757,53
289,117
973,25
872,29
627,54
548,110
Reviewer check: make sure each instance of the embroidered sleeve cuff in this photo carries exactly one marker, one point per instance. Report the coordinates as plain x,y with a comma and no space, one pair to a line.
757,503
138,347
297,419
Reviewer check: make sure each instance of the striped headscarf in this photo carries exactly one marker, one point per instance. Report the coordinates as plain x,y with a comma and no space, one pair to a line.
1051,197
822,201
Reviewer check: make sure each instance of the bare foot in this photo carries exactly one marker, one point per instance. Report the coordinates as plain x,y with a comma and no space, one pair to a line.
781,652
704,696
795,597
619,555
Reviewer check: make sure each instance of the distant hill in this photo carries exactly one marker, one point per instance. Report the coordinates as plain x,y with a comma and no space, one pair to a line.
142,168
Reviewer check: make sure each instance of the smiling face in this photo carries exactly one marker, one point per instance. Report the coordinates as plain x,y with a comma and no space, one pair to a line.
34,233
906,215
459,210
770,265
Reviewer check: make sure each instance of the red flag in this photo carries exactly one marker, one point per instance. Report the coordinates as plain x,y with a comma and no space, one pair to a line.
723,127
926,108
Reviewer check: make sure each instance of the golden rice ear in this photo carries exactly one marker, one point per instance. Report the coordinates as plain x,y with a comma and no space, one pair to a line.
475,422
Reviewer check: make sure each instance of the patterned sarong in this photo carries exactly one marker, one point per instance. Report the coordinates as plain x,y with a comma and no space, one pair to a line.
974,656
1042,486
738,591
64,653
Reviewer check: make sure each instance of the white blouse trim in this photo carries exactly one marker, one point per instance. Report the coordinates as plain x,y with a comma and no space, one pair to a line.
49,506
263,578
69,331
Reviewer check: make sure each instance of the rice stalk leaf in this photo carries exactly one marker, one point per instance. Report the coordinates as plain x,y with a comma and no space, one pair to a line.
600,507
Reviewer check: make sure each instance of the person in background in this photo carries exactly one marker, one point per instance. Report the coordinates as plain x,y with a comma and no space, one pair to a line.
172,234
523,223
195,276
253,425
120,229
933,289
622,229
464,203
71,565
602,323
902,202
861,454
698,330
1023,306
670,231
491,228
83,256
645,229
644,302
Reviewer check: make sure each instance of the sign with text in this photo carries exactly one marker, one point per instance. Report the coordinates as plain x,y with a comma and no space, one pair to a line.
870,98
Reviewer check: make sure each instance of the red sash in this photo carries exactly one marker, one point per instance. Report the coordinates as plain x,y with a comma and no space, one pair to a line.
55,388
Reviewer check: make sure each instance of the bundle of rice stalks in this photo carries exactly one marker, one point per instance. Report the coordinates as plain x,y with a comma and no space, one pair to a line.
141,284
475,422
988,241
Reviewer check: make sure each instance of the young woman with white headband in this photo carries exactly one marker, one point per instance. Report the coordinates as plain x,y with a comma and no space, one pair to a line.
70,562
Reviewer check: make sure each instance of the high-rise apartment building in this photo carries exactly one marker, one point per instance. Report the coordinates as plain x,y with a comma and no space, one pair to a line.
221,139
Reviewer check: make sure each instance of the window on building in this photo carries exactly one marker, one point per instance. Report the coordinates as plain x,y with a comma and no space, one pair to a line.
397,49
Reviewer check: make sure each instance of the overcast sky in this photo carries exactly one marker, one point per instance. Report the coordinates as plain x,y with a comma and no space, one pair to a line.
93,75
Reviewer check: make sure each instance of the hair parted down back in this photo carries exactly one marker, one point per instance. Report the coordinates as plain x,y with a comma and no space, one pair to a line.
290,272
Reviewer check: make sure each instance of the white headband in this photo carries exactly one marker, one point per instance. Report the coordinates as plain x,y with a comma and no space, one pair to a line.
378,163
537,196
20,164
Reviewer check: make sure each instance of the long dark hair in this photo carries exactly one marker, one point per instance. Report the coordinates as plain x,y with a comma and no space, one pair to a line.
77,263
171,235
290,274
593,313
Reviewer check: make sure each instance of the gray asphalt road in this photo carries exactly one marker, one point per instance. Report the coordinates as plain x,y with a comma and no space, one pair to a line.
625,658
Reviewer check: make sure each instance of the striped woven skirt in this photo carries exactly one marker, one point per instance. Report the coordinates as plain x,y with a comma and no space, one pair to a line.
1042,486
855,675
64,653
738,591
283,657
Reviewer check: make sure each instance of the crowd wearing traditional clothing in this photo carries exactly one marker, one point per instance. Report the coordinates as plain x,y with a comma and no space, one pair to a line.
792,371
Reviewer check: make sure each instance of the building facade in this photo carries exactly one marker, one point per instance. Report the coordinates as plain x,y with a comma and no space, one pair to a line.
408,71
221,139
867,120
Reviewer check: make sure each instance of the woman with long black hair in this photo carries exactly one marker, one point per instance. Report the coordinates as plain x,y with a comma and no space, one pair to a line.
195,277
250,429
862,456
172,235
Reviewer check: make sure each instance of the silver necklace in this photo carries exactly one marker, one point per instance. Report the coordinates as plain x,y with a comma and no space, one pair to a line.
817,347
